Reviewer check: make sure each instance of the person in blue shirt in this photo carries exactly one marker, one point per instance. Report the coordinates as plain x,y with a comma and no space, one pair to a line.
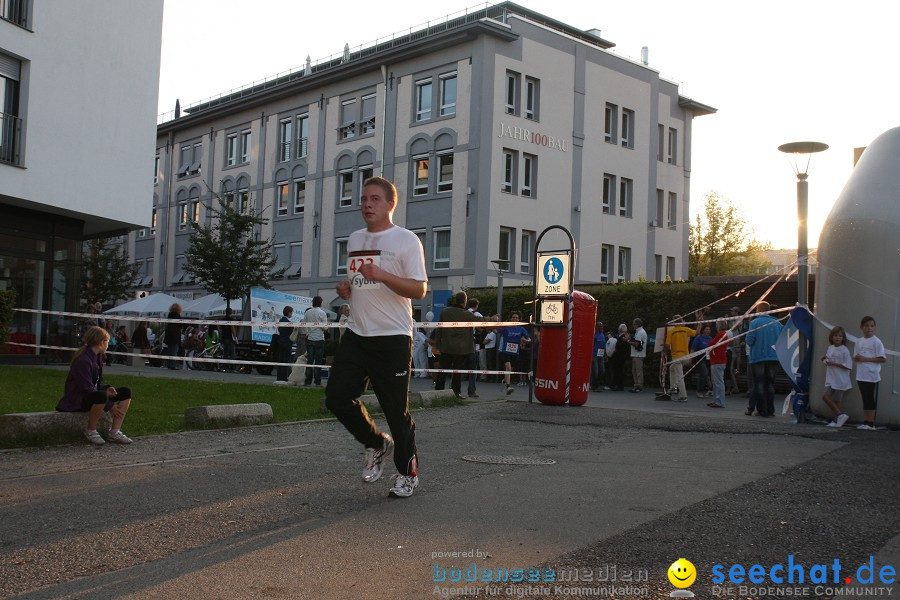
598,359
763,332
702,362
510,347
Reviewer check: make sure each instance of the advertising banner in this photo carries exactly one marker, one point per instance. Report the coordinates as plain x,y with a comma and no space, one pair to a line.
268,306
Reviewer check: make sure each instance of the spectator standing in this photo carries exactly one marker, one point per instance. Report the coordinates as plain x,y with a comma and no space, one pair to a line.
172,335
869,356
477,335
598,358
761,338
620,355
228,335
611,340
718,359
315,341
140,339
736,348
342,319
701,363
638,343
420,353
677,339
490,350
284,347
456,344
838,364
192,345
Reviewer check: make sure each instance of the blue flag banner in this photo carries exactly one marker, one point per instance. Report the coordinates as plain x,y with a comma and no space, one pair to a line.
787,348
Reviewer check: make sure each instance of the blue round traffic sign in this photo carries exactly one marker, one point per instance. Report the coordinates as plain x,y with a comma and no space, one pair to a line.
553,271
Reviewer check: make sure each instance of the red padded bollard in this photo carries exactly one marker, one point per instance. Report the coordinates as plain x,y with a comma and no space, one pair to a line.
550,372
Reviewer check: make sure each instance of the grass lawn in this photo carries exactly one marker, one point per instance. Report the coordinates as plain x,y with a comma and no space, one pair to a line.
159,403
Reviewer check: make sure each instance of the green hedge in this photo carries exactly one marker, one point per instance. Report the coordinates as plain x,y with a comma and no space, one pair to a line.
7,302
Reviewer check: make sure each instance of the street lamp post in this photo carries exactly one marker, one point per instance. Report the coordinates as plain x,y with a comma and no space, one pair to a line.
798,150
502,266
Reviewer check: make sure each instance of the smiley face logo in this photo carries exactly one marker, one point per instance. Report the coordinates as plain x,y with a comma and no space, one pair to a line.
682,573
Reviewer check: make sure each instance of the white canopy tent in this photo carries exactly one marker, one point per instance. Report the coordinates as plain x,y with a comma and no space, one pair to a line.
199,308
154,305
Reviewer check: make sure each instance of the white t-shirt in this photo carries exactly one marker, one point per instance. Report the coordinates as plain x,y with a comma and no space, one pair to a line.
870,348
315,315
490,340
838,378
639,335
374,309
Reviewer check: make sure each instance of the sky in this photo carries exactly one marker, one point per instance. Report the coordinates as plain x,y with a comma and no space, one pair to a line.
777,71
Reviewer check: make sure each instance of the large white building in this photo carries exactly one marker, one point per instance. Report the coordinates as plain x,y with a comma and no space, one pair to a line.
493,125
78,95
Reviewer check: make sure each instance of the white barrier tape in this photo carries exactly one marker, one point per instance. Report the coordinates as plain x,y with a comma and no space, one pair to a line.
292,324
253,363
850,338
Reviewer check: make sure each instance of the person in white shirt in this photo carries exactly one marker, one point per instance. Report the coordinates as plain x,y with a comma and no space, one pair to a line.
838,364
638,343
869,356
315,341
386,268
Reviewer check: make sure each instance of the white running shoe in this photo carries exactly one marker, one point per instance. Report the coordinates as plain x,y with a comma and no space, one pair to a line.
94,437
404,486
866,427
118,438
375,459
833,424
841,419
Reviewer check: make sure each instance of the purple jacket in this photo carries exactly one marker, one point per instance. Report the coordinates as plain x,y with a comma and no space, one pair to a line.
85,376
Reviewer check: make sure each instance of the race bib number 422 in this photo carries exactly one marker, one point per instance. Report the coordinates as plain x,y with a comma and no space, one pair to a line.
356,260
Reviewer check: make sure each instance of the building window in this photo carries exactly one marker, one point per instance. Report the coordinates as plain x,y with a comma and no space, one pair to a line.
245,146
448,94
302,136
365,172
526,251
670,268
672,221
625,190
341,254
659,267
627,128
672,157
231,149
610,120
512,92
279,253
367,115
153,222
286,128
529,175
296,256
299,196
282,190
504,251
345,181
423,99
14,11
228,194
606,254
609,193
660,209
532,98
445,172
348,119
243,195
441,249
195,210
661,141
11,125
190,159
182,215
509,172
420,177
623,272
156,171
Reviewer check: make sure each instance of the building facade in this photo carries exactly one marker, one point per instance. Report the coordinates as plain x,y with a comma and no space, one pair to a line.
72,106
493,125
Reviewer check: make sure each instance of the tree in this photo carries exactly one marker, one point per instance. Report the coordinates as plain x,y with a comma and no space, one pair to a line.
225,257
108,273
722,243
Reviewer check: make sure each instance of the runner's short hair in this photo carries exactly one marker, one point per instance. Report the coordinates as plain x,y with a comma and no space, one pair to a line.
390,192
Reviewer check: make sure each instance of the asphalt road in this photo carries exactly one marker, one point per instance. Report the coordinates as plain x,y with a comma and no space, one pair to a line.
281,512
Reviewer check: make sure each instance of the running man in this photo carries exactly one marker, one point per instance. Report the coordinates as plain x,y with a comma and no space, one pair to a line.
386,268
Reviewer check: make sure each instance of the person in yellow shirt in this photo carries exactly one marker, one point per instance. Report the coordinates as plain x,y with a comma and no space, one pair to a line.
678,338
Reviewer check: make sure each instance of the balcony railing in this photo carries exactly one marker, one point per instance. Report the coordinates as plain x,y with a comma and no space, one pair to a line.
10,138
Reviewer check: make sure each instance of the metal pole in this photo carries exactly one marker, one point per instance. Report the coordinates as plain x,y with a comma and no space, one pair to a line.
802,250
500,293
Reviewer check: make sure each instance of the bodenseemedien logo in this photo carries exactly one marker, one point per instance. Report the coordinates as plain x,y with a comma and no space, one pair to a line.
682,574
